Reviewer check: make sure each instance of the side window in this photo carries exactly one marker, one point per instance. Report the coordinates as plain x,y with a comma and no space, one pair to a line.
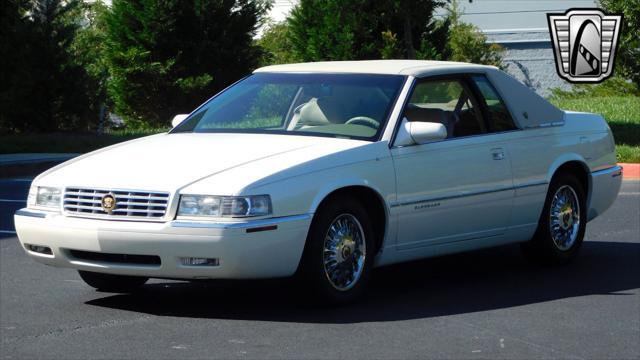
499,117
448,102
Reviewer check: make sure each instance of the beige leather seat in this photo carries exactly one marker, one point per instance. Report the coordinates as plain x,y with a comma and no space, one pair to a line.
317,112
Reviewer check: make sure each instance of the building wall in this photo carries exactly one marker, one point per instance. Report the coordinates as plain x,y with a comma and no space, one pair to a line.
514,14
529,57
520,26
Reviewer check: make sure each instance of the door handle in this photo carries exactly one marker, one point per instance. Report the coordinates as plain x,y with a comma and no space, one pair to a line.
497,154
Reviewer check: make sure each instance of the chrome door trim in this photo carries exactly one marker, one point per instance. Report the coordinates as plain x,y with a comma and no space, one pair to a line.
466,194
530,184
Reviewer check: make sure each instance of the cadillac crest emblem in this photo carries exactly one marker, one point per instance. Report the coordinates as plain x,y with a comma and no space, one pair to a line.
108,203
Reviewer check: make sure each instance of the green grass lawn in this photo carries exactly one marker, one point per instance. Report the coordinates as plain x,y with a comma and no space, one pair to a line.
623,115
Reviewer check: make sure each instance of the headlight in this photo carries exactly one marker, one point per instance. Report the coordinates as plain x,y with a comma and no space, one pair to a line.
43,196
224,206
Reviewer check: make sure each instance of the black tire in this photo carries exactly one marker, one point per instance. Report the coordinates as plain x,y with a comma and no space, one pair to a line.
311,271
112,283
542,248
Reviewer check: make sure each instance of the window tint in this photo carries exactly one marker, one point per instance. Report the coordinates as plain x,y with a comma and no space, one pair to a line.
499,117
259,107
447,102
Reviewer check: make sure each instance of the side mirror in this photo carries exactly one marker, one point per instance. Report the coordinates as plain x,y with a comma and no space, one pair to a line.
178,119
418,132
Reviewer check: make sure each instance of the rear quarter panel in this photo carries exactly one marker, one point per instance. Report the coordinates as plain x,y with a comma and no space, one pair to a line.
537,153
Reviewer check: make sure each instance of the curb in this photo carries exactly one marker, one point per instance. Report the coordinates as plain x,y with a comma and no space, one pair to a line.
630,171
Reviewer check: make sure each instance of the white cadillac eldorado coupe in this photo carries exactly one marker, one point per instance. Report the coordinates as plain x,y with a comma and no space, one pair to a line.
325,171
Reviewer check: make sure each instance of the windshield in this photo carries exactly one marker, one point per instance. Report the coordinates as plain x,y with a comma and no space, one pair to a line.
339,105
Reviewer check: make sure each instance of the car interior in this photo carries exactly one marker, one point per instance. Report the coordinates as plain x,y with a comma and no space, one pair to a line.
446,102
344,105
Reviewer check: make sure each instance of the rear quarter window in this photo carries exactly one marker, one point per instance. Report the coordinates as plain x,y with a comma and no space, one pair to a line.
499,117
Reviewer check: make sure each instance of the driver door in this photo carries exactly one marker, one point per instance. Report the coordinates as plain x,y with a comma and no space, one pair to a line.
456,189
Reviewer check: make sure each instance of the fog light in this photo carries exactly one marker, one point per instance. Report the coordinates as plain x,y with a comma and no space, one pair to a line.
195,261
39,249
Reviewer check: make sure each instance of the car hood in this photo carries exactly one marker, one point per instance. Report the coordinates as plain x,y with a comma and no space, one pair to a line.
168,162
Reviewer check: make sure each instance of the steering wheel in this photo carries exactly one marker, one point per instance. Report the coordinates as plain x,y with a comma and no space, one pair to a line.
364,120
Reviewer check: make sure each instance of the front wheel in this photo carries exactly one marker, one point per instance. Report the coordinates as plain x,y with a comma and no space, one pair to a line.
112,283
338,256
562,224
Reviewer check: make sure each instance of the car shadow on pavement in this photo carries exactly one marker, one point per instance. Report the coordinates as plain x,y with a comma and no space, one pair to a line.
471,282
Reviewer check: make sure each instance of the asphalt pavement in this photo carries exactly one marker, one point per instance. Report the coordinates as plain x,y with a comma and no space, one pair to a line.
486,304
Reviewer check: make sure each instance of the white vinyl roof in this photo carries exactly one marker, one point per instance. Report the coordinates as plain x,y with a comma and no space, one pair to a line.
391,67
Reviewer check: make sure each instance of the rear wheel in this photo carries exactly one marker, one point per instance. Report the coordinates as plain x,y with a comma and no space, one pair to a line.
338,256
112,283
562,224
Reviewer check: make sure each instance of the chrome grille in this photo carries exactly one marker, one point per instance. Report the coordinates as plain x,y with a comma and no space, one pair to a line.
137,204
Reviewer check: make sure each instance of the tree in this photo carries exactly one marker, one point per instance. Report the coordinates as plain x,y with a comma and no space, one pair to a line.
331,30
12,35
413,20
628,55
166,57
276,45
391,48
388,29
88,48
363,29
42,84
467,44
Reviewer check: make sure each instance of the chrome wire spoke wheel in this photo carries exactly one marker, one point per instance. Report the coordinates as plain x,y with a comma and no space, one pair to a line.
564,217
344,252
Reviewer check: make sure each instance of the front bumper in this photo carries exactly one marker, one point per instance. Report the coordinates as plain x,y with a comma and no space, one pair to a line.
245,250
